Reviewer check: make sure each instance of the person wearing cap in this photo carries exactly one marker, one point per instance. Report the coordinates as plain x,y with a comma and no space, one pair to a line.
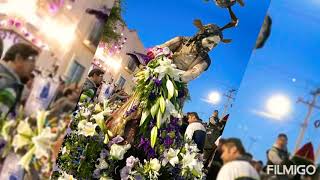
15,71
234,165
195,130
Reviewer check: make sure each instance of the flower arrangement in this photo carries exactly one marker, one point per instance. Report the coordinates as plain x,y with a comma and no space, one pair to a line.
92,151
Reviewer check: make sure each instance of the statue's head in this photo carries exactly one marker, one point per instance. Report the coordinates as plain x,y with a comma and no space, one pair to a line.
209,35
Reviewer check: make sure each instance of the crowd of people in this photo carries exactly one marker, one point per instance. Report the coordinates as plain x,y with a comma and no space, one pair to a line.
227,158
18,71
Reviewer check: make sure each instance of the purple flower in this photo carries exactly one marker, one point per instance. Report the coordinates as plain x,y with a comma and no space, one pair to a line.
151,153
152,123
118,139
96,173
131,161
56,168
181,93
157,82
138,177
152,96
104,153
68,131
144,144
167,142
124,173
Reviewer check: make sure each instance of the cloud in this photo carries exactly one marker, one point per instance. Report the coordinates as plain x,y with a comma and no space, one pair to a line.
267,115
206,100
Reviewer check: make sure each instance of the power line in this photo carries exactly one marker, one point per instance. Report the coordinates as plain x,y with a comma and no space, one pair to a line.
311,106
230,99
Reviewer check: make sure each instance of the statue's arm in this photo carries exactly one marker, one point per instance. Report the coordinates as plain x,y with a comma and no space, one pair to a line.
173,44
194,72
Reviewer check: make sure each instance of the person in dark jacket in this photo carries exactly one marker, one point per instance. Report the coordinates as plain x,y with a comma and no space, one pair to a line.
15,71
195,130
215,162
212,134
93,82
65,104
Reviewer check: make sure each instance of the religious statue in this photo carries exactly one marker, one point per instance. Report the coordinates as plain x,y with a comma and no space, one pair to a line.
189,55
113,141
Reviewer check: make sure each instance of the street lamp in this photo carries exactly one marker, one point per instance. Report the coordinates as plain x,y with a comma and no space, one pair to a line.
278,105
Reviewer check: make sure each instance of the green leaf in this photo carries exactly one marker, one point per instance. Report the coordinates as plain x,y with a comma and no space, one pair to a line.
162,103
159,117
144,116
176,93
170,89
154,109
154,135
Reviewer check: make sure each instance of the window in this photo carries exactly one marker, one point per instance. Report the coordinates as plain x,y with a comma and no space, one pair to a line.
96,33
121,81
132,64
75,73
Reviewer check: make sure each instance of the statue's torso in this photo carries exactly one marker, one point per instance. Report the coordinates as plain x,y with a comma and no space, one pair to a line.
185,57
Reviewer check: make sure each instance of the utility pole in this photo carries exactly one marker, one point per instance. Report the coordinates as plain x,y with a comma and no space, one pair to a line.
311,105
230,98
317,154
317,125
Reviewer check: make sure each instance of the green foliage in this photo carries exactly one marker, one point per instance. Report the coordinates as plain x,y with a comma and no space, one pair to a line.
114,19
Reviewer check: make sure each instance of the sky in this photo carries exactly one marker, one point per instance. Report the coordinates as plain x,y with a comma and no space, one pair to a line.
287,65
159,21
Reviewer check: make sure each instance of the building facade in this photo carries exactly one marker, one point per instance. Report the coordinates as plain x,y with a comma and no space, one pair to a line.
62,31
114,58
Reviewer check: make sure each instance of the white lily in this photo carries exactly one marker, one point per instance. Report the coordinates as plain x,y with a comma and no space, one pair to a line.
24,128
26,159
87,128
6,129
99,118
20,141
197,169
171,156
43,142
97,108
64,150
41,119
66,176
168,68
188,160
102,164
23,136
117,151
170,111
155,165
192,148
85,112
